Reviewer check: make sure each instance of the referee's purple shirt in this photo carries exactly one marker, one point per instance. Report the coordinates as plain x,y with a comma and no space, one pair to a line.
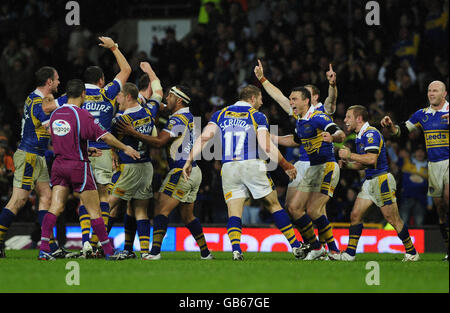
70,129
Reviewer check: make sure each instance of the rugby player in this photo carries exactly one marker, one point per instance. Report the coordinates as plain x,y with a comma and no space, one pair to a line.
31,169
433,120
178,136
71,127
133,181
242,131
316,132
379,185
292,194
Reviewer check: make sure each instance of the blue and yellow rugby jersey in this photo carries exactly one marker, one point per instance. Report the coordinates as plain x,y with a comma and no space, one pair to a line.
303,154
369,138
180,126
435,130
100,102
239,124
35,137
309,131
141,119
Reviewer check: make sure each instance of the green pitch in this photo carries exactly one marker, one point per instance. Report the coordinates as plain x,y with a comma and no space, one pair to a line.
184,272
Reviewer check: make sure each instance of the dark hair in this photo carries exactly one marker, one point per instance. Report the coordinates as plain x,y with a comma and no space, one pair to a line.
315,90
93,74
43,74
248,92
130,89
359,110
143,82
305,93
74,88
187,91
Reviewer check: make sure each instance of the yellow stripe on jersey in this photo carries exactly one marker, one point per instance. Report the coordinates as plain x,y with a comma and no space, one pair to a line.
311,145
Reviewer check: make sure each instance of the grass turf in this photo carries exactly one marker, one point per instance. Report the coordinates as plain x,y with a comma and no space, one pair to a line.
184,272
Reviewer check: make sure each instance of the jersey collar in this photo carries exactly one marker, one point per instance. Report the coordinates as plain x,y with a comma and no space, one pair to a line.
444,109
39,93
182,110
132,110
242,104
308,114
363,129
91,86
142,97
318,105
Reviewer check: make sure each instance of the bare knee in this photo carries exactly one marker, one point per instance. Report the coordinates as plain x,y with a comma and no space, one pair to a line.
355,217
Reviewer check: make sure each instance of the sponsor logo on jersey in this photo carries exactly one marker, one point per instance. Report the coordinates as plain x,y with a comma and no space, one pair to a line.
60,127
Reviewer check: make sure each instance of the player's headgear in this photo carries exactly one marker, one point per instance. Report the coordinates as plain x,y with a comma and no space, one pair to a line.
181,92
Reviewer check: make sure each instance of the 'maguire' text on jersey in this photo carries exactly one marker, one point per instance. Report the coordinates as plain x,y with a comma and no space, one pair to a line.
100,102
435,130
239,124
35,137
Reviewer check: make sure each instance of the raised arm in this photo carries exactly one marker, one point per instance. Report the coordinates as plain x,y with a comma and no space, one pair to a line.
125,68
272,90
155,83
330,101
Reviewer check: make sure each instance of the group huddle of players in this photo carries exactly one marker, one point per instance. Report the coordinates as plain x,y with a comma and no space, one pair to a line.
102,135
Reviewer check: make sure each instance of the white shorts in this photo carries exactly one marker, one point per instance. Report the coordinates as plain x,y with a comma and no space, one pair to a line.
102,167
301,167
380,190
321,178
176,187
133,181
437,178
242,178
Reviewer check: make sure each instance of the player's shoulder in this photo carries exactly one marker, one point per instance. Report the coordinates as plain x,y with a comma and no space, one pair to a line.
372,132
318,115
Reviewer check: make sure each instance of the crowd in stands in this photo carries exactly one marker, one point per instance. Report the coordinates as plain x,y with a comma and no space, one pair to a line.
385,67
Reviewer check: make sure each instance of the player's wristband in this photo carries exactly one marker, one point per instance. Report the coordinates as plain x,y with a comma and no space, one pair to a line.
262,80
285,165
114,47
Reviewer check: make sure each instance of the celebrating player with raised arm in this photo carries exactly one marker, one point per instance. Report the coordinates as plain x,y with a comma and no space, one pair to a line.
100,102
433,120
71,127
379,185
178,136
242,131
29,161
293,197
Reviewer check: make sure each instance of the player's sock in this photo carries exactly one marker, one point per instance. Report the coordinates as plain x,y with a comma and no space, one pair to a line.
104,207
324,228
98,225
306,229
284,225
443,227
85,223
355,232
196,230
143,230
160,223
130,227
322,240
406,239
94,238
234,229
6,218
52,242
48,222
